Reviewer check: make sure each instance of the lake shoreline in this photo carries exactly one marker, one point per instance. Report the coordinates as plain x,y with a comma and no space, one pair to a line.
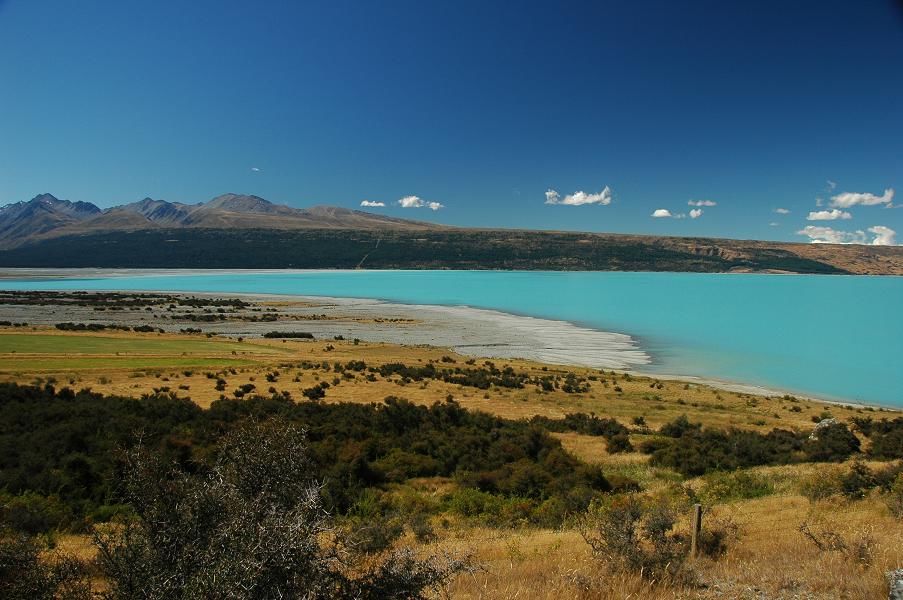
465,330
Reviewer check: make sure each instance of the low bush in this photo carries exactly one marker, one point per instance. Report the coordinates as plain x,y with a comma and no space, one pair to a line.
734,485
636,535
895,497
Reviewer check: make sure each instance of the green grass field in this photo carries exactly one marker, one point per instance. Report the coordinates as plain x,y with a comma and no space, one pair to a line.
59,352
48,343
79,363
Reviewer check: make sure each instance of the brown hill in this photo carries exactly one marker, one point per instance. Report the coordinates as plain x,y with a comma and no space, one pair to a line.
46,217
50,232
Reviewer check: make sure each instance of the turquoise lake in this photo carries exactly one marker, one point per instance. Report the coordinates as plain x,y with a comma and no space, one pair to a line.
833,337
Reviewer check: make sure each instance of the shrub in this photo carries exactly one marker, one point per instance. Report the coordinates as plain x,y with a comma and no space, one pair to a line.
856,483
619,443
734,485
821,486
254,527
679,426
887,440
833,443
422,528
637,536
717,535
305,335
895,497
317,392
32,513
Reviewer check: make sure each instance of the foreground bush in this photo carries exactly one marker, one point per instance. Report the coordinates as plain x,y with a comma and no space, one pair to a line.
636,535
252,526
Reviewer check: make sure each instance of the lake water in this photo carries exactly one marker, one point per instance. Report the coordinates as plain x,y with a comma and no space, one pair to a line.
833,337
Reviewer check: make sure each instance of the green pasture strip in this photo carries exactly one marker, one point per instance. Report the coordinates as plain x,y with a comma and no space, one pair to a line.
86,363
42,343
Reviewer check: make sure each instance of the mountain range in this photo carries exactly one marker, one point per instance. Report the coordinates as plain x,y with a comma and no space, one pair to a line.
243,231
46,216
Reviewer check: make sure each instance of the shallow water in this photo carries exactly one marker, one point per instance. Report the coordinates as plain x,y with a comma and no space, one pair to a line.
834,337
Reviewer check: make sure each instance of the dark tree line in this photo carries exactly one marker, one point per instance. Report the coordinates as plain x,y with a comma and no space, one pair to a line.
60,450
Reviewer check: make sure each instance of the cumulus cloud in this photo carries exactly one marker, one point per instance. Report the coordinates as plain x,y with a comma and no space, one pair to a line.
411,202
417,202
782,211
848,199
702,203
828,215
255,169
372,204
579,198
695,213
662,213
826,235
884,236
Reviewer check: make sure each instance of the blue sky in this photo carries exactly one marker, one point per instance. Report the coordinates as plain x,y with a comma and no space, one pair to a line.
480,107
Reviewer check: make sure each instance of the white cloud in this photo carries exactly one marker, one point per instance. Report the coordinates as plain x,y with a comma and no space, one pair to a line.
410,202
695,213
884,236
417,202
255,169
831,185
580,198
819,202
372,204
773,224
782,211
664,213
828,215
702,203
848,199
826,235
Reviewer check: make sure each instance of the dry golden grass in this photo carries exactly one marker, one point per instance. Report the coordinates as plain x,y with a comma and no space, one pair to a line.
771,559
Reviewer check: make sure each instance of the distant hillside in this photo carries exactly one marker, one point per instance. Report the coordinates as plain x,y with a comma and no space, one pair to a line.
234,231
45,217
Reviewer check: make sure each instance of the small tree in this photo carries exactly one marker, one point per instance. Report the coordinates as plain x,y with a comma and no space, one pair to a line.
253,526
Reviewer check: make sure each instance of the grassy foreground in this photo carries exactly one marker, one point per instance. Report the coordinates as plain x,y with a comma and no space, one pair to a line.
801,529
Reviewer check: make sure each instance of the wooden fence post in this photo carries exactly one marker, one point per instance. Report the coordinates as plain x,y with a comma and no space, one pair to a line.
696,529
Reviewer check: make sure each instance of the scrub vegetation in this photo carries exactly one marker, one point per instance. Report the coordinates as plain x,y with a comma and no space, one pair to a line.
405,468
